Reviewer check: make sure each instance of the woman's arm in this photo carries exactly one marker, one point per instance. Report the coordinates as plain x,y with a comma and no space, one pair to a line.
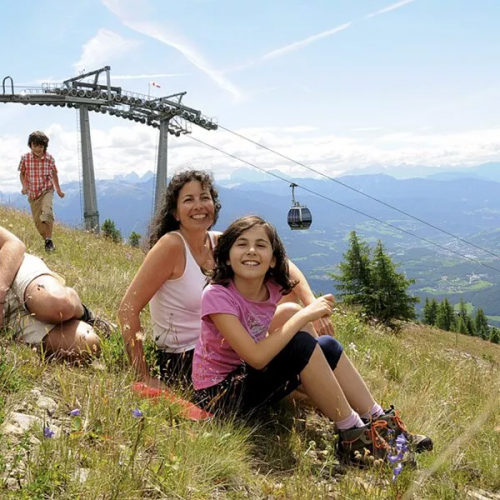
157,268
302,291
258,355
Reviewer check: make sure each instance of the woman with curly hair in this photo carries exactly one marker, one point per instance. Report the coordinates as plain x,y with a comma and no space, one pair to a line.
172,277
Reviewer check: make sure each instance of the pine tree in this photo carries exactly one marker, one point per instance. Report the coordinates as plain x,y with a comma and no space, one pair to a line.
354,278
481,322
445,316
495,335
134,239
110,231
390,299
430,311
471,328
463,320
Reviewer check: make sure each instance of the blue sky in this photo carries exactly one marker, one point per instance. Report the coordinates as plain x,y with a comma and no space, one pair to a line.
339,85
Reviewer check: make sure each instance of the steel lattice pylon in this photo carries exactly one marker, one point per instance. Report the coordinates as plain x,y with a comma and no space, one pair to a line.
84,92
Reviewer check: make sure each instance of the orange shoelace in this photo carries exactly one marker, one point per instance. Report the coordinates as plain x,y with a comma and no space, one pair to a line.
378,441
399,422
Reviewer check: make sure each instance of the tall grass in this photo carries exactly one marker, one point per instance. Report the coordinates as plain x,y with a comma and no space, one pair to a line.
446,386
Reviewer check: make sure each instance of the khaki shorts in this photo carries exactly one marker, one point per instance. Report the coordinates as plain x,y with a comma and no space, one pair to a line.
16,316
42,210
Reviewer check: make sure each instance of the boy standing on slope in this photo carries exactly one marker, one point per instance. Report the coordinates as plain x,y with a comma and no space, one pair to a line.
39,178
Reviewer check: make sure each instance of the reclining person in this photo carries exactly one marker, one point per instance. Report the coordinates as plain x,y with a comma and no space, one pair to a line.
39,309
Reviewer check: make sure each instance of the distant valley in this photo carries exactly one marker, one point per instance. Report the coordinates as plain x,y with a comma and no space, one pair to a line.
466,204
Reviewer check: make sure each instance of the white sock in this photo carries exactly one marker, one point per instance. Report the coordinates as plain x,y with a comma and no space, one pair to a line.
353,420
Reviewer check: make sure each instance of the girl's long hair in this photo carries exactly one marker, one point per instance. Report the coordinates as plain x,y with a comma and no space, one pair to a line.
223,273
164,220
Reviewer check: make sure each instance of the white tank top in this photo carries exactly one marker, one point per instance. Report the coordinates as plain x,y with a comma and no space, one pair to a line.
176,306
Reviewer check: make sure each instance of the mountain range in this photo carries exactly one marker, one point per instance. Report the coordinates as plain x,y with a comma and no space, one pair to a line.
465,204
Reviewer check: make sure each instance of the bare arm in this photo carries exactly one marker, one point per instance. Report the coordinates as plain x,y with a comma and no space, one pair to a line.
157,268
22,178
258,355
303,292
11,257
55,179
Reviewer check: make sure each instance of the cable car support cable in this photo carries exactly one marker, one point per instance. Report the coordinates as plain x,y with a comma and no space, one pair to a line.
476,261
358,191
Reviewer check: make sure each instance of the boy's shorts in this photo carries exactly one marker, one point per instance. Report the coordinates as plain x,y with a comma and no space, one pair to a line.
16,316
42,209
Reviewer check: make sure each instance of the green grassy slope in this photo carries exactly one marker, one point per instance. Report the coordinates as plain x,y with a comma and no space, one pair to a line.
446,385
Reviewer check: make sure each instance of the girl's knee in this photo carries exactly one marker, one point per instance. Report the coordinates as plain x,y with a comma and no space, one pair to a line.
332,349
302,345
283,313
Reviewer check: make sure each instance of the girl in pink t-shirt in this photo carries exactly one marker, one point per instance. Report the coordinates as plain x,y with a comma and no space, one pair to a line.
242,363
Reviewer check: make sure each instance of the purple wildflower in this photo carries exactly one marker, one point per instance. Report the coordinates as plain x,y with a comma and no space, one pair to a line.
396,460
137,413
397,471
48,433
75,413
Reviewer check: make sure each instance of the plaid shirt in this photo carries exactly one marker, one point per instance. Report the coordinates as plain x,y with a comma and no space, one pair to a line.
38,173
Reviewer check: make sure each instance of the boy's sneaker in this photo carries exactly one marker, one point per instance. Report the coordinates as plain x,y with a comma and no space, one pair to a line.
49,245
102,326
417,442
359,444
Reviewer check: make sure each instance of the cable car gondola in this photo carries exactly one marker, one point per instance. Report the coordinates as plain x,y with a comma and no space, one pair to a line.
299,216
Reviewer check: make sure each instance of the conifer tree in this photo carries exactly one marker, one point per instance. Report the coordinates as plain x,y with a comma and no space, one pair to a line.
471,328
495,335
390,298
481,323
445,316
463,320
354,278
110,231
430,311
134,239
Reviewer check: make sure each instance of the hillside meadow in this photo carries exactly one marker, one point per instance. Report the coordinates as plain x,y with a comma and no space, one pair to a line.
446,385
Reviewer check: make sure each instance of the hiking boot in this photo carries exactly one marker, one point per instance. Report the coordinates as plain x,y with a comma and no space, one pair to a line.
416,442
100,325
49,245
359,444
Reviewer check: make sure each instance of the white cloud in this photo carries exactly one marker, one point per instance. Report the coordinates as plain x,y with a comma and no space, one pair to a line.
300,44
103,48
132,148
389,8
304,43
130,18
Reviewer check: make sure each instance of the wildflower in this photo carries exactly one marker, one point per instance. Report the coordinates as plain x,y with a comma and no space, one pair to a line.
396,460
401,443
48,433
353,347
137,413
75,413
396,471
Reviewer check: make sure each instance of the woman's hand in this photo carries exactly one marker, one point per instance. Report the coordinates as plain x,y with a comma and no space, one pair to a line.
324,326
